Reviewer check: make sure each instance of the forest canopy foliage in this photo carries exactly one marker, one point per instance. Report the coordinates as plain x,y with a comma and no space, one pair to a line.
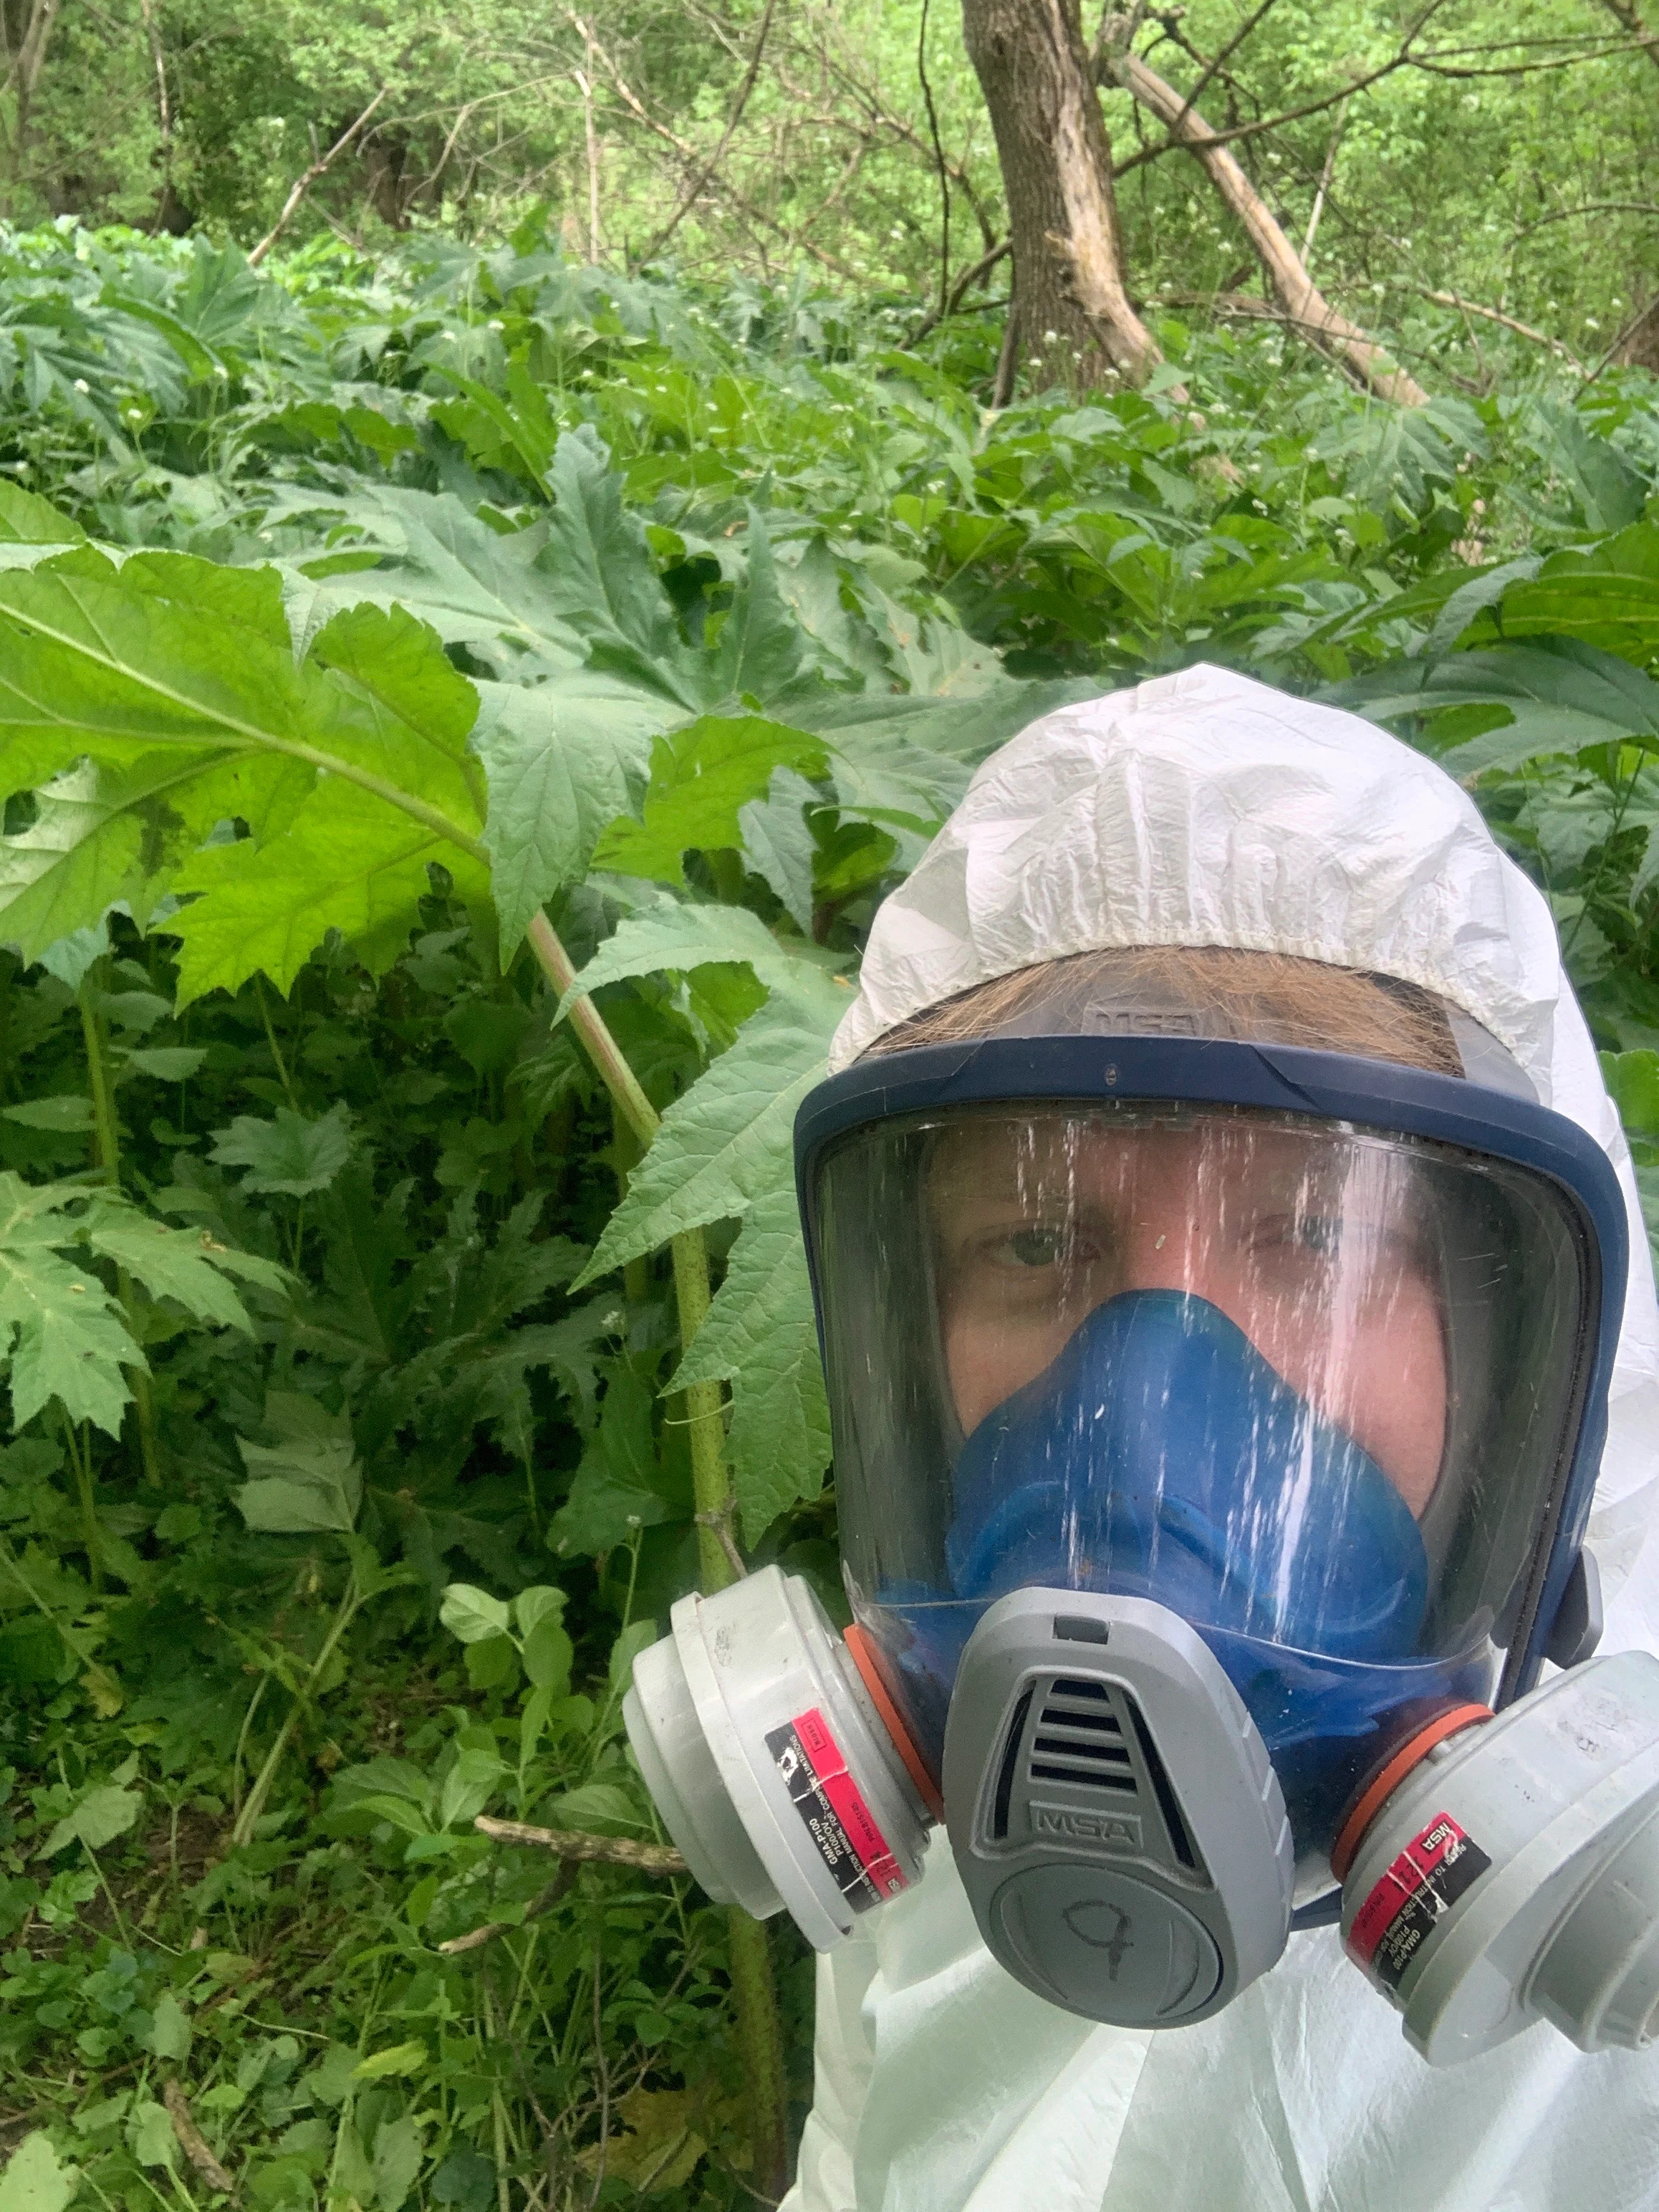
462,698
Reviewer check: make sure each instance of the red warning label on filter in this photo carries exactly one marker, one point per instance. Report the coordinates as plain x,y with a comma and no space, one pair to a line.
831,1806
1426,1880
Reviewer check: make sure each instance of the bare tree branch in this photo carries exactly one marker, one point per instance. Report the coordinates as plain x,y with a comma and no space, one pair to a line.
1628,17
974,274
302,183
938,158
1302,305
694,191
1497,315
689,154
1401,59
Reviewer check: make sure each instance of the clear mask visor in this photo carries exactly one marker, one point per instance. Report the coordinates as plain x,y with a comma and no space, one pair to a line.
1305,1385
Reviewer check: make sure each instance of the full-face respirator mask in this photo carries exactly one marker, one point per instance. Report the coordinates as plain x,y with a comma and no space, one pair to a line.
1215,1426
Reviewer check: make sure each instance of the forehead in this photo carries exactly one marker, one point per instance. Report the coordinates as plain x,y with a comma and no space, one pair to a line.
1067,1159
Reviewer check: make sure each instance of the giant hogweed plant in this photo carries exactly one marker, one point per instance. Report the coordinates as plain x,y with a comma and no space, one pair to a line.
426,922
239,770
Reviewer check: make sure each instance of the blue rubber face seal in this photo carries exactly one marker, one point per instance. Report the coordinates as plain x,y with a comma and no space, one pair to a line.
1369,1094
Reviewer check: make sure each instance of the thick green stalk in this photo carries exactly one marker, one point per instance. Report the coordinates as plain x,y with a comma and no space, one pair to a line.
760,2039
106,1141
711,1483
760,2031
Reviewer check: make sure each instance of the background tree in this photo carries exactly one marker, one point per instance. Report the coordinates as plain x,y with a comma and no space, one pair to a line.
1070,308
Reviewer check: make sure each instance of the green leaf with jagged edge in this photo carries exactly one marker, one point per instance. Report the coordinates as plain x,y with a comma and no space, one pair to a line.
28,520
1560,698
100,834
64,1334
761,653
187,714
602,580
34,2181
563,759
305,1486
291,1153
349,862
728,1138
760,1334
701,776
675,937
309,1481
622,1483
171,1263
778,845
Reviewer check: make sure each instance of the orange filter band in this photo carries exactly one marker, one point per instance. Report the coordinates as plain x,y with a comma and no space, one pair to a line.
864,1658
1389,1777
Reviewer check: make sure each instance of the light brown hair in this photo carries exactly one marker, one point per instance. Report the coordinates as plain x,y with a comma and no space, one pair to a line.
1271,997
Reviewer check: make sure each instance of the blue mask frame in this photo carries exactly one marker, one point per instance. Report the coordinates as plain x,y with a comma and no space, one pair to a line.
1327,1087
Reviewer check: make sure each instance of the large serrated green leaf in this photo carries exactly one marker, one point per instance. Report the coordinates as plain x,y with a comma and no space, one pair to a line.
1557,699
701,777
673,938
349,861
290,1153
727,1140
26,520
562,760
63,1333
600,577
760,654
91,666
170,1263
473,585
761,1334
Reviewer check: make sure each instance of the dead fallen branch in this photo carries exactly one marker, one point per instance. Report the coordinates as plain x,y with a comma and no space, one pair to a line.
1497,315
1304,307
578,1845
191,2141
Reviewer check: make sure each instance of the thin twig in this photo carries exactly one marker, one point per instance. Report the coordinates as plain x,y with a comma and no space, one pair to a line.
555,1891
938,158
694,191
578,1844
302,183
604,2073
974,274
1402,59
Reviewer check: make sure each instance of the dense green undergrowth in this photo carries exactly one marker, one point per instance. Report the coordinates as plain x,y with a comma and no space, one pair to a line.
368,634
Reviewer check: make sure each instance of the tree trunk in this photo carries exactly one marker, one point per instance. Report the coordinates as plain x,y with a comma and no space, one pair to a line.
1304,307
1070,310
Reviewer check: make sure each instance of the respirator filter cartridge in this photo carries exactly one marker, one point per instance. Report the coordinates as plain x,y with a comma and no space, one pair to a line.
768,1760
1513,1874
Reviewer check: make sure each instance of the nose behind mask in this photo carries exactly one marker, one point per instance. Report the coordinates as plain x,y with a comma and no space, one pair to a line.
1161,1456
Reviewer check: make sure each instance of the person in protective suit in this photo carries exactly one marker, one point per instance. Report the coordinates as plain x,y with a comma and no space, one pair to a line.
1242,1354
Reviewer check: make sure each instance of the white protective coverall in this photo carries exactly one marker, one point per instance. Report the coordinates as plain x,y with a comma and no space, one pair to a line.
1205,810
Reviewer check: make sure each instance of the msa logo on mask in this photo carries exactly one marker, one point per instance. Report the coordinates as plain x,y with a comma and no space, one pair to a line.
1110,1830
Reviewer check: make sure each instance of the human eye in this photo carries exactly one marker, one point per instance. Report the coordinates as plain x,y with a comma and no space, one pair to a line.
1034,1247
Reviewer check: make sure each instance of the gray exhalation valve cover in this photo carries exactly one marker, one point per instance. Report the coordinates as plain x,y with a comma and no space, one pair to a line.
1114,1813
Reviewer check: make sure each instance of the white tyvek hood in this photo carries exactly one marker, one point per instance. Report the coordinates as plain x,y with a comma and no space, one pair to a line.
1204,809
